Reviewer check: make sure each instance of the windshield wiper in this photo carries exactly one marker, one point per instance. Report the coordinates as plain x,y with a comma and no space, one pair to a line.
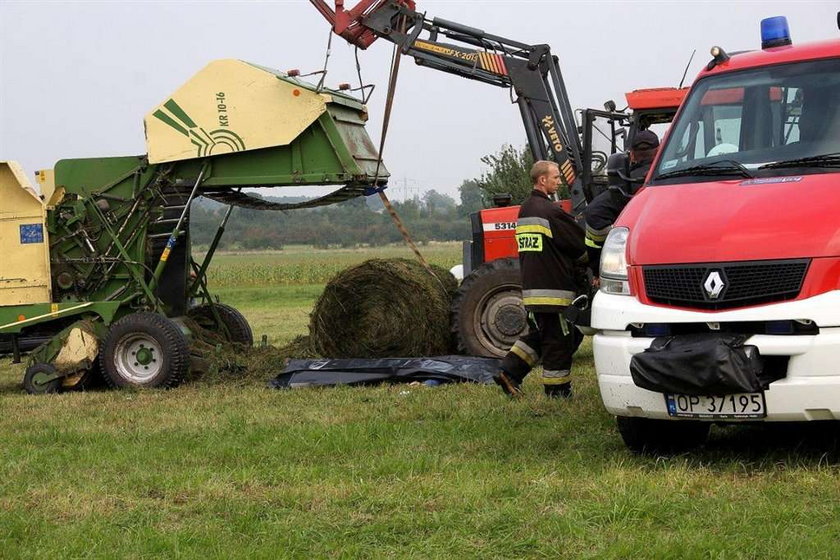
824,160
729,167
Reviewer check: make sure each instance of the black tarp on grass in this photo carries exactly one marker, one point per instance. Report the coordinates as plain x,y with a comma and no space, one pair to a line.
440,369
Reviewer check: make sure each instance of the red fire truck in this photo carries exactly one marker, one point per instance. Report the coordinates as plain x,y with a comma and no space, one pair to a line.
720,287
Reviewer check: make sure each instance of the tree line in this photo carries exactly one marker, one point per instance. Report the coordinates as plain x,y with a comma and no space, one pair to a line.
364,221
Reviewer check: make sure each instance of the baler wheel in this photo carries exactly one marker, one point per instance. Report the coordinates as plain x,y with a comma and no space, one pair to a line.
236,323
487,312
145,350
37,380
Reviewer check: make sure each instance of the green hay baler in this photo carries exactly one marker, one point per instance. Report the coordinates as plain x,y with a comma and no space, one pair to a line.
98,271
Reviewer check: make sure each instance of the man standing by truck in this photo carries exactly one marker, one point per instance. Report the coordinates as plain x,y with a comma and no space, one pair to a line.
604,209
549,243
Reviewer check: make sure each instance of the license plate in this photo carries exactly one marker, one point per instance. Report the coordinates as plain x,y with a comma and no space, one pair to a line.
741,405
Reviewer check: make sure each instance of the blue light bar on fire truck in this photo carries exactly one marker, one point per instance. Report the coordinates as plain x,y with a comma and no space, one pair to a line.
775,32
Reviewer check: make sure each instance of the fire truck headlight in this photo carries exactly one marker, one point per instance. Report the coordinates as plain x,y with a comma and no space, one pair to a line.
614,263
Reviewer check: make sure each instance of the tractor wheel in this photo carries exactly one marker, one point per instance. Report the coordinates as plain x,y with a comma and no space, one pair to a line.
145,350
487,312
647,435
39,379
237,325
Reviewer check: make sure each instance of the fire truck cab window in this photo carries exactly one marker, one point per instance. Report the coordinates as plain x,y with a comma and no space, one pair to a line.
756,117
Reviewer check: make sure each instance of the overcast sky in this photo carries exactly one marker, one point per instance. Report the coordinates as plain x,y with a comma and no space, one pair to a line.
76,78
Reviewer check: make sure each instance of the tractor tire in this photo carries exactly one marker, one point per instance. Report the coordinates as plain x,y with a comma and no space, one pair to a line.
36,379
145,350
487,312
651,436
237,326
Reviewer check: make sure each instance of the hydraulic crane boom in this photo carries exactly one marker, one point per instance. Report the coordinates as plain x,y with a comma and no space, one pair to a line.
530,70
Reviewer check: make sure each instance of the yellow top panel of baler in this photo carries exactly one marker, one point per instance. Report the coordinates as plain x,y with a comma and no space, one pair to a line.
230,106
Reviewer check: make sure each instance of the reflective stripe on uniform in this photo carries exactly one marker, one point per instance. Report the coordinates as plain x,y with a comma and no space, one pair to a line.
556,376
525,353
542,230
564,325
534,225
547,297
597,234
536,301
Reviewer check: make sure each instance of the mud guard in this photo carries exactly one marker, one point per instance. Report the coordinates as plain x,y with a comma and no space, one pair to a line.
73,350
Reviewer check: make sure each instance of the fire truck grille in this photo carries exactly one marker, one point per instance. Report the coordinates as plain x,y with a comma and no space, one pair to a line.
725,285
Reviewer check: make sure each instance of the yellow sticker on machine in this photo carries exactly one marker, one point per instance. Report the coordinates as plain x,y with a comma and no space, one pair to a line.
529,242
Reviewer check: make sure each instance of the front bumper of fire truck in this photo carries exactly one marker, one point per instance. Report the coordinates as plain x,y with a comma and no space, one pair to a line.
809,388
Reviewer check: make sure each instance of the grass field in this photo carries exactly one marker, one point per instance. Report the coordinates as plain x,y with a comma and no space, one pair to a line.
219,470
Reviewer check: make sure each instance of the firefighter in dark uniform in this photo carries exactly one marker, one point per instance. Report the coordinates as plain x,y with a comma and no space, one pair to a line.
603,211
550,244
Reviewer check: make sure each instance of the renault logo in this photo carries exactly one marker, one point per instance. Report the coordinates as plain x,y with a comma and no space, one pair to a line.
714,284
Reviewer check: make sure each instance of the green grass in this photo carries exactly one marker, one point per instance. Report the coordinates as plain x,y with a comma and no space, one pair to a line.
232,470
277,312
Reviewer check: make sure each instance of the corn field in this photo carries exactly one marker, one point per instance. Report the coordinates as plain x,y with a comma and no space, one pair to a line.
304,265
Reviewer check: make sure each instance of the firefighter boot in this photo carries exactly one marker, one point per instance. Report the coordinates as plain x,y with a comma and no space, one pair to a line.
563,391
557,382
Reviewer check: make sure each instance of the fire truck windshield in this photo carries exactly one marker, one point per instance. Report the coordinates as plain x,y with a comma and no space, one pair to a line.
771,121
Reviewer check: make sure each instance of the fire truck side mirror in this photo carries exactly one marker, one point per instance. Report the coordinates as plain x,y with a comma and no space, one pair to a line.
502,199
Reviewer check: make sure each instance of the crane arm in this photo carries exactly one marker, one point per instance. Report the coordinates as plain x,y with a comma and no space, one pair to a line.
530,70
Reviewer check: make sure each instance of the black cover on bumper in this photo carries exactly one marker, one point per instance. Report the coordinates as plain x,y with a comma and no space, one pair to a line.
705,364
354,371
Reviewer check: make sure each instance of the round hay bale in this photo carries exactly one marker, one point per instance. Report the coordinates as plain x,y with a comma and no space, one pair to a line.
384,308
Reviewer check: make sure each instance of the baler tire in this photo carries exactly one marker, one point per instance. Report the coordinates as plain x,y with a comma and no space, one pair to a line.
32,376
652,436
236,323
495,285
165,361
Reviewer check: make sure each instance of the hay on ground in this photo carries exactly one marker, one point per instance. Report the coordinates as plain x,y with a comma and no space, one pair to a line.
384,308
219,361
231,364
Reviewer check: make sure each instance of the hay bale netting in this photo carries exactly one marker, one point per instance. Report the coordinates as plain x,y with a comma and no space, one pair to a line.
384,308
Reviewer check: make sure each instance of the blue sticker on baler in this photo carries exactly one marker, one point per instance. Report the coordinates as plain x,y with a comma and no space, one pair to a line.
31,233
